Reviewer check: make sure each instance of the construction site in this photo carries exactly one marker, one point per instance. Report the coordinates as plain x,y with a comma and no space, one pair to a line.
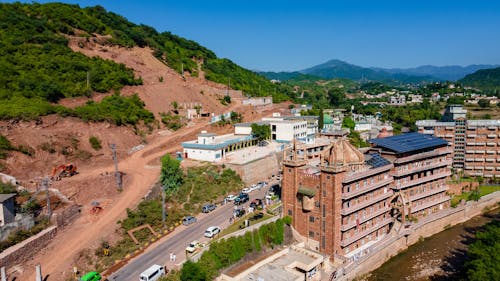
84,190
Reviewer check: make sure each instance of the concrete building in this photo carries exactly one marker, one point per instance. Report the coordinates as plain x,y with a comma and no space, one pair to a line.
7,212
258,101
347,200
397,100
212,148
475,143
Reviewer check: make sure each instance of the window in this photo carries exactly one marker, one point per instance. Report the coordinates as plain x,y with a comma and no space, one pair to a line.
289,212
323,242
311,234
324,210
311,218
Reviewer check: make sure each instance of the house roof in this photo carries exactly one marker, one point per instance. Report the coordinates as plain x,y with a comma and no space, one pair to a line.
5,197
409,142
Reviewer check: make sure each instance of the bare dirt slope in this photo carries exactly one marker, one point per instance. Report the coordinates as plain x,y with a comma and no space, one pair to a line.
49,135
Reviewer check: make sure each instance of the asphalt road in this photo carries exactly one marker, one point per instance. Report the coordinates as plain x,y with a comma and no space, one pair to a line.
177,241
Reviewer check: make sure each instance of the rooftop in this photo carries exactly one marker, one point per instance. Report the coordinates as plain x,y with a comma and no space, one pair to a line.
219,142
409,142
5,197
433,123
494,123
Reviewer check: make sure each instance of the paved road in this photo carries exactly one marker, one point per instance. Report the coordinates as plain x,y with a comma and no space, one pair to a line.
178,240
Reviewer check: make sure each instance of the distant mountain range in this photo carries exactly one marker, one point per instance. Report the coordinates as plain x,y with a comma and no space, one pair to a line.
340,69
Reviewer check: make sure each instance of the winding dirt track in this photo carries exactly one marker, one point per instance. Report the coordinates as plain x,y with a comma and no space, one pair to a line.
57,259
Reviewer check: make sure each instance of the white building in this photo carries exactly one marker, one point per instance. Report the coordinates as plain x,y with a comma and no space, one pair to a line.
212,148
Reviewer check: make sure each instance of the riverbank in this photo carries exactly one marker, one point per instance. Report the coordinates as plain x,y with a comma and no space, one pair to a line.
396,242
440,257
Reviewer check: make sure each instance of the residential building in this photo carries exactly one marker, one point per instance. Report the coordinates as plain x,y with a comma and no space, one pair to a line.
7,212
475,143
258,101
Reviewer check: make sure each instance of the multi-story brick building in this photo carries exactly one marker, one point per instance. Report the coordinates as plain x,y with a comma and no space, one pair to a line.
421,168
475,143
348,200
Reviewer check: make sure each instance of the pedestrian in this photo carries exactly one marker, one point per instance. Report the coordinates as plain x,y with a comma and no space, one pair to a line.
171,256
174,257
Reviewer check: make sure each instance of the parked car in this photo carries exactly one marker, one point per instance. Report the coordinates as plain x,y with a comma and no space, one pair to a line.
193,246
239,212
212,231
270,195
257,216
256,203
254,187
153,273
246,190
188,220
242,198
231,197
208,208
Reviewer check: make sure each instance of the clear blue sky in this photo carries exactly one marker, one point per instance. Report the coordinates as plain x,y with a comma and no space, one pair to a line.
292,35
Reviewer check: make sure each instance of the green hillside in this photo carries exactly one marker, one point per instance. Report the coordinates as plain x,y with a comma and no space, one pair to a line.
37,68
487,80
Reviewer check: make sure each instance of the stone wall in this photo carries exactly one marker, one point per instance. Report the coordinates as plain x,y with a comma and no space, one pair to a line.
394,243
257,170
66,216
23,251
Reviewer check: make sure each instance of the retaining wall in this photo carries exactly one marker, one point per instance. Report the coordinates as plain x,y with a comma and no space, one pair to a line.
396,243
257,170
23,251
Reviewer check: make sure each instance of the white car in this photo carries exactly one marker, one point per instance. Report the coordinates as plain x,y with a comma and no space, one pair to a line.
246,190
212,231
231,197
254,187
193,246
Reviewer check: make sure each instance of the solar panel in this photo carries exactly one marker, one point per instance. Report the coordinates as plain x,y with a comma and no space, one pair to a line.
376,160
409,142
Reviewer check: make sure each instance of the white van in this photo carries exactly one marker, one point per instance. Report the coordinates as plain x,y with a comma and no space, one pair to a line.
153,273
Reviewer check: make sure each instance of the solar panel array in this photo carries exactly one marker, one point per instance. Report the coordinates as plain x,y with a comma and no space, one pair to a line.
409,142
376,160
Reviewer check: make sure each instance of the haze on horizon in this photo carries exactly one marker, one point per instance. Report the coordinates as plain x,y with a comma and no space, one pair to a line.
293,35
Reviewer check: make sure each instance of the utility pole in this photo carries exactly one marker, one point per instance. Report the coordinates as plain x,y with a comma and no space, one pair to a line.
163,208
117,173
45,185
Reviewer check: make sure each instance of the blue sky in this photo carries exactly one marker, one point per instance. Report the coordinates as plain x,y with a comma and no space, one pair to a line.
293,35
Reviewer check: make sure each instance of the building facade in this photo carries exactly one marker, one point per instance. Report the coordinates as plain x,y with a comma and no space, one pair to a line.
475,143
349,200
213,148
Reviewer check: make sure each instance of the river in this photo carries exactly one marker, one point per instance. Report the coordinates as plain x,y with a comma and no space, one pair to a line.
439,257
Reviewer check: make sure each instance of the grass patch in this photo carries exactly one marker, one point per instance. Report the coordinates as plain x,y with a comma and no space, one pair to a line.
236,225
472,195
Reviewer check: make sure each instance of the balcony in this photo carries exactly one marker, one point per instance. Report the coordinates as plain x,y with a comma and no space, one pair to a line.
366,173
422,168
359,235
366,203
429,204
377,213
422,180
428,192
370,187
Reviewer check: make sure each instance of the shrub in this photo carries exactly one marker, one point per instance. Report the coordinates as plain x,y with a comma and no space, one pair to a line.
49,147
95,143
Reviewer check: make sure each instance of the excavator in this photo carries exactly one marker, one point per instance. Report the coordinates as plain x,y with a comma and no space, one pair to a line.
65,170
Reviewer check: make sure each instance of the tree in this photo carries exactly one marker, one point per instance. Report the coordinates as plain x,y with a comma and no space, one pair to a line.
192,271
348,123
171,174
455,100
336,97
483,261
261,132
483,103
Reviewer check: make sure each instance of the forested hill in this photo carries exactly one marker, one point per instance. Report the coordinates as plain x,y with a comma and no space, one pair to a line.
487,80
37,66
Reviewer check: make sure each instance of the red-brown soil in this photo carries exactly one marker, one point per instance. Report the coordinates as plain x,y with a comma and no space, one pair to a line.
95,181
